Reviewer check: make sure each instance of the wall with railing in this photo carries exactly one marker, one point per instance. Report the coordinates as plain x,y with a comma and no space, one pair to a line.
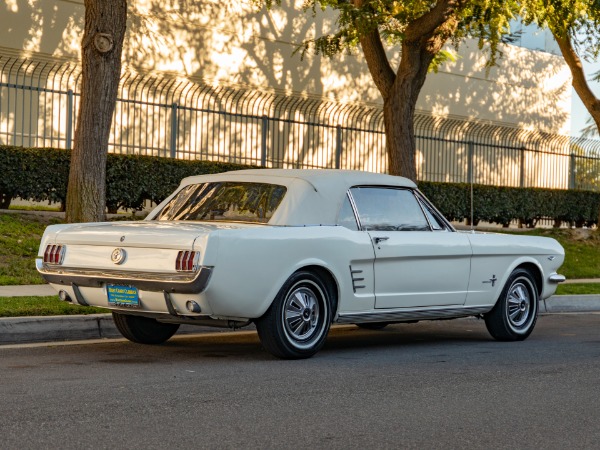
176,118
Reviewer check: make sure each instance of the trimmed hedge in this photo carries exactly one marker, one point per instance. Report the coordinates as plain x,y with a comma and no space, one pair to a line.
502,205
41,174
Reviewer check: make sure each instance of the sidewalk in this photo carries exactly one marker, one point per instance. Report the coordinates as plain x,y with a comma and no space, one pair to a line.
582,281
17,330
30,290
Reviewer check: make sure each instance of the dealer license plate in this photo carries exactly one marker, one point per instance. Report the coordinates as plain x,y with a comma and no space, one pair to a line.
123,296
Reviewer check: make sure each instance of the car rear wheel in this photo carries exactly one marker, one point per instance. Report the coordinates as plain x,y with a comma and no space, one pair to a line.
296,324
143,330
515,313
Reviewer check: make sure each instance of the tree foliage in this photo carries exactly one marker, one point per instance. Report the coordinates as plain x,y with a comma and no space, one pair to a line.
575,24
487,21
415,33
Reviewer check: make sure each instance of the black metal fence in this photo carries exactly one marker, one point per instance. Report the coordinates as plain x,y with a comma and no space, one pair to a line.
180,119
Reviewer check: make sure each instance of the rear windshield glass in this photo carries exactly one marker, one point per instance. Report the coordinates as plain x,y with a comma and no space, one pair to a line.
226,201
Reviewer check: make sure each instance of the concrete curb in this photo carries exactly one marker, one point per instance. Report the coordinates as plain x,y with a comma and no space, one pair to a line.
20,330
56,328
26,330
571,303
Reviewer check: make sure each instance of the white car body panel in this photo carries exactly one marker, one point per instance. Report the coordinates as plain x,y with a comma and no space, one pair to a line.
422,274
273,254
421,268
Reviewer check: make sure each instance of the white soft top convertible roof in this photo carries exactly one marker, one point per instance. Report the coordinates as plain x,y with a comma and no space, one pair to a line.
314,197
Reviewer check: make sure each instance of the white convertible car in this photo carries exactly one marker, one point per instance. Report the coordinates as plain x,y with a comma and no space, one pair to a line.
294,251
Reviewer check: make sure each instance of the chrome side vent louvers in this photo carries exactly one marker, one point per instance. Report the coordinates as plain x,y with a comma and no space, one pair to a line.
356,279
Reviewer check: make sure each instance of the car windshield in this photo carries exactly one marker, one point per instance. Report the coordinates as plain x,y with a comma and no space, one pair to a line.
225,201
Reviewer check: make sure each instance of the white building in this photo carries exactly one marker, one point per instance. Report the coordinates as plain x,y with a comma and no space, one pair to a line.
201,58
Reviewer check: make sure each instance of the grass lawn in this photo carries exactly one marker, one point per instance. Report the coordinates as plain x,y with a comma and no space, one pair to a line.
34,208
582,250
42,306
578,289
20,236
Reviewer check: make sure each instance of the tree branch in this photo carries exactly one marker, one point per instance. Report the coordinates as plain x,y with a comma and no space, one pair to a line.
378,63
426,25
580,84
377,60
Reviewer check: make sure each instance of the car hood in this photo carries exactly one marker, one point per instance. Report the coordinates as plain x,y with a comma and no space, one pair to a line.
163,234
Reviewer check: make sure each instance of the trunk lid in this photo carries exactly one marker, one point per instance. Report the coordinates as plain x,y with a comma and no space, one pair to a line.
149,246
148,234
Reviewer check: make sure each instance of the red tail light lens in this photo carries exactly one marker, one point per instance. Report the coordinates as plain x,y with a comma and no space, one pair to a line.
187,261
54,254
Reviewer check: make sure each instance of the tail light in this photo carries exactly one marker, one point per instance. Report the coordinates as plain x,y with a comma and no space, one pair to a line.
187,261
54,254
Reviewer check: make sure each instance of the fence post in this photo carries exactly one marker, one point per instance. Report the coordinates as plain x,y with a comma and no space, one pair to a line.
338,147
263,141
174,130
69,137
572,170
470,151
522,174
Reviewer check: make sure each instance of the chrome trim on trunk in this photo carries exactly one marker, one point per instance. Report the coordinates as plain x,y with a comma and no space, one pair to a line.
180,283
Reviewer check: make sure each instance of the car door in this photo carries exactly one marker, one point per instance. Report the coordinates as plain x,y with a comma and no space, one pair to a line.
419,260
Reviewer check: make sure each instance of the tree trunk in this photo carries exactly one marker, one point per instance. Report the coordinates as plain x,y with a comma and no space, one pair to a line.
398,118
424,38
101,48
589,100
399,109
5,200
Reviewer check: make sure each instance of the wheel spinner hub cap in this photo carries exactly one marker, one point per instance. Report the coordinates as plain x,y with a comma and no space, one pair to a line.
523,306
301,314
519,305
306,314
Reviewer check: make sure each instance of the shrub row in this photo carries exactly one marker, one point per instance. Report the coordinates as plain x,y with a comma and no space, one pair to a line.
503,205
41,175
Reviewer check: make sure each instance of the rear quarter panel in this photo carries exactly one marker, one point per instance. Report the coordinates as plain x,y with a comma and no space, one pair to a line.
252,265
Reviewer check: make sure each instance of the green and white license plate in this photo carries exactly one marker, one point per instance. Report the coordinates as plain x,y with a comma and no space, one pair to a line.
126,296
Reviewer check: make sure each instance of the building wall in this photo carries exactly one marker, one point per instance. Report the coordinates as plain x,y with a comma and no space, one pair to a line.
232,44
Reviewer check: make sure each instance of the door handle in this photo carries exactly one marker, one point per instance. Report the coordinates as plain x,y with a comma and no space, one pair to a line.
379,239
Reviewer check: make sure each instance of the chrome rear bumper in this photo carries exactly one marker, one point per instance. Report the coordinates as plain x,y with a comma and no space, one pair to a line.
176,283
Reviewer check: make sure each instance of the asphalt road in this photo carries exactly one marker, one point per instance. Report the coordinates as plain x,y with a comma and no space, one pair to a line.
427,385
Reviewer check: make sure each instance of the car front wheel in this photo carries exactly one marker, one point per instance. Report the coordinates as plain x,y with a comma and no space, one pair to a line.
515,313
143,330
296,324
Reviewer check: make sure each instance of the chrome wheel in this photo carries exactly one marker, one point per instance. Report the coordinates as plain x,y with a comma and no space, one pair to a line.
296,324
515,313
518,305
301,314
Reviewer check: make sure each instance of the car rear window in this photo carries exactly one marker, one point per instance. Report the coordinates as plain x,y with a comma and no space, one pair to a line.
225,201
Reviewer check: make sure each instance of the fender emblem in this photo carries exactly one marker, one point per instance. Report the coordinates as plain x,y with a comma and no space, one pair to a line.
491,280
